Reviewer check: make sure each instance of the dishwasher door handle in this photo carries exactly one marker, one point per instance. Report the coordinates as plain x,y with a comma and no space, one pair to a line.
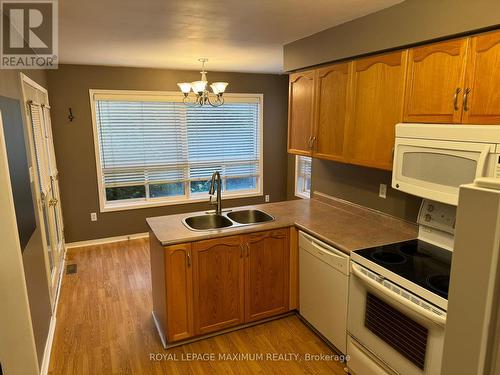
323,251
439,320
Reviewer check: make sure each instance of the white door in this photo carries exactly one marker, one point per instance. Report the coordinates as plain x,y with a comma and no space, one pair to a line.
46,181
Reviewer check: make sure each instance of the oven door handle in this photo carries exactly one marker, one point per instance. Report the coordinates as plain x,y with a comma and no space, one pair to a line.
439,320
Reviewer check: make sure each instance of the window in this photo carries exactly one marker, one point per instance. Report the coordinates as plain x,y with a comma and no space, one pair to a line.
151,149
303,176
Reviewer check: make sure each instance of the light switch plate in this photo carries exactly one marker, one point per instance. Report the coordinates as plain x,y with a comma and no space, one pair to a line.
382,192
266,198
93,216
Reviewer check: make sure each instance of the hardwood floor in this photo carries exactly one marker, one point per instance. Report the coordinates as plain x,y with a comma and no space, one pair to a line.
104,326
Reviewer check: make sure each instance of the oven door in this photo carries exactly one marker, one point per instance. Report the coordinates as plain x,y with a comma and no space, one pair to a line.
435,169
407,337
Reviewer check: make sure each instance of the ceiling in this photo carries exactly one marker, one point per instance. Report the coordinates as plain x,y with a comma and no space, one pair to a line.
235,35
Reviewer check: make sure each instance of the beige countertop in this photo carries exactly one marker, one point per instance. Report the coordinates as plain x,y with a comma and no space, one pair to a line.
341,224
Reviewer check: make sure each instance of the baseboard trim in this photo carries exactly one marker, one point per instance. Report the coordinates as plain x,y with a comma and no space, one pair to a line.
48,346
227,330
160,331
100,241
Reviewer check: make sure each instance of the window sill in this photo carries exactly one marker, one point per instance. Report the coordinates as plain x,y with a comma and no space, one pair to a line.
124,206
302,196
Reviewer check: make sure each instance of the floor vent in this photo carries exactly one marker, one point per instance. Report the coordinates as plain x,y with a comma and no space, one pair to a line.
70,268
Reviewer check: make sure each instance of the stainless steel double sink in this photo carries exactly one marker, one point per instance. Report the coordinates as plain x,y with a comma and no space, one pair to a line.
226,220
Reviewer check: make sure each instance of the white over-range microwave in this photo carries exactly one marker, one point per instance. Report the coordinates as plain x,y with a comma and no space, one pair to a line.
432,161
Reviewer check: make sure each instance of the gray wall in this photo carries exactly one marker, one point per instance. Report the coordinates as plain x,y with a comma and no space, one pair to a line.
410,22
69,87
33,256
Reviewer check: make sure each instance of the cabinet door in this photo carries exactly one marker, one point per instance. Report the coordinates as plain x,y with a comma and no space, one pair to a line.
218,284
376,106
300,112
435,82
267,274
331,106
179,282
482,98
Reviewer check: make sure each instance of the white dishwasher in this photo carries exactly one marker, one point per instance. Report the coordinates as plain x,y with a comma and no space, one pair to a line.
324,283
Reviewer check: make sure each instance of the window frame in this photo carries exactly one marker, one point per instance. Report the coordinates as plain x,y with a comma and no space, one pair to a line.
188,197
300,193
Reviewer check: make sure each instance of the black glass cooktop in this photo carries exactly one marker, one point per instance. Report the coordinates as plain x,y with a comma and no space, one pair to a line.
417,261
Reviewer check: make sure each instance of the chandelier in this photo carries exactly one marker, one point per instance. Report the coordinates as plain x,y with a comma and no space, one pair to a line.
201,95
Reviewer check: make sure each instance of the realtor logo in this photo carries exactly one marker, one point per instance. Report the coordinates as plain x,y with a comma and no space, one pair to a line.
29,35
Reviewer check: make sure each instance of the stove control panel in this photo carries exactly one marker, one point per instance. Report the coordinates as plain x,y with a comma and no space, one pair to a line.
437,215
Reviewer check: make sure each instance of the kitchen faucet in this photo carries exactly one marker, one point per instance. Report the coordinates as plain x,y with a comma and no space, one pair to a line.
218,202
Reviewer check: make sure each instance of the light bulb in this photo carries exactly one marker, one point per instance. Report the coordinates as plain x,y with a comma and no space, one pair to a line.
214,89
199,86
219,87
185,87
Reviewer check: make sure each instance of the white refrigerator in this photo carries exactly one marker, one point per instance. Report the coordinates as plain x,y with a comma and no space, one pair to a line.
473,323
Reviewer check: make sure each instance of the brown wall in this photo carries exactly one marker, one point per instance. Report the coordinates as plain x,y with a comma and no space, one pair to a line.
410,22
69,87
33,255
361,185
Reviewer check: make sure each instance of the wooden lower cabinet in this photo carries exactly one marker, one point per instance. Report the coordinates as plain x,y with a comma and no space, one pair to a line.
218,267
179,281
266,274
221,283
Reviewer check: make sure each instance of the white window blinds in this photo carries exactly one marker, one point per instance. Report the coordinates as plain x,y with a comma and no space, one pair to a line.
154,147
39,141
303,176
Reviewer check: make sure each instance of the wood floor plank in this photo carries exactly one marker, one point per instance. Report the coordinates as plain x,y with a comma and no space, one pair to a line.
104,326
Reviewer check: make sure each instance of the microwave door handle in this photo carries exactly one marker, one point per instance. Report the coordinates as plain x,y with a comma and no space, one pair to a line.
481,162
439,320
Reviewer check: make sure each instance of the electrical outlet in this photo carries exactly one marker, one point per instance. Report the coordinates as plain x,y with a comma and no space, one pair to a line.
93,216
266,198
382,191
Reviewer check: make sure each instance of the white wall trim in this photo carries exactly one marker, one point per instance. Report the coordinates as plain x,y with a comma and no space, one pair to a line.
48,346
160,331
100,241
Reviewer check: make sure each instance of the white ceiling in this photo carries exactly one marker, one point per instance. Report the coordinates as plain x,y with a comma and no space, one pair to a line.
235,35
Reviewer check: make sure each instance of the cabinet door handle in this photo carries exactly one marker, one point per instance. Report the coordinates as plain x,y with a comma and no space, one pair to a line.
241,251
309,142
248,249
313,140
455,99
189,259
466,99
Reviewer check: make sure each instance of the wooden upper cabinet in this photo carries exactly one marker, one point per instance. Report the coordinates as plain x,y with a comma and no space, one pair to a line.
482,99
435,82
218,273
179,284
267,273
376,106
300,112
330,111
